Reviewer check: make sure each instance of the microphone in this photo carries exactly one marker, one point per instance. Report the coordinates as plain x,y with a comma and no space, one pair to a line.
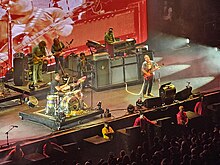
14,126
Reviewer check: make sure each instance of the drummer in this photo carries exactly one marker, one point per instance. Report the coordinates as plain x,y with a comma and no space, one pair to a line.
55,87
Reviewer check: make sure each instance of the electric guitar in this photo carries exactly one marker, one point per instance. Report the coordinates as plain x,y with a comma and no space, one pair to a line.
59,54
37,60
149,74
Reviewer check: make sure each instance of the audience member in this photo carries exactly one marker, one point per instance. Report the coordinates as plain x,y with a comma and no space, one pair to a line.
16,155
51,149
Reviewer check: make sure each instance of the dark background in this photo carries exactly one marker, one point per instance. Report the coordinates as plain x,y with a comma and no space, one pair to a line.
198,20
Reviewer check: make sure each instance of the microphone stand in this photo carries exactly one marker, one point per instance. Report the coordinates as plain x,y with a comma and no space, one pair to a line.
7,133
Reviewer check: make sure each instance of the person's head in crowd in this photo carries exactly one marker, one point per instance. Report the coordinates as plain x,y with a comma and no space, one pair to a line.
126,159
165,161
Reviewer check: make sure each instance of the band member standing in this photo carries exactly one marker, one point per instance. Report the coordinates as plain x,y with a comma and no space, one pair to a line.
83,64
109,40
39,52
148,68
57,49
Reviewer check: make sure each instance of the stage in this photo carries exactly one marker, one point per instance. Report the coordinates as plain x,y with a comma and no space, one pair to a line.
196,64
62,122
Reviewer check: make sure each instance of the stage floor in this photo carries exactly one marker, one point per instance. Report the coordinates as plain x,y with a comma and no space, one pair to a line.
195,65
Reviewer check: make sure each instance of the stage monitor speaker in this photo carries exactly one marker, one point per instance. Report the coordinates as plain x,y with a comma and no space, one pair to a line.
153,102
101,77
20,70
184,94
167,92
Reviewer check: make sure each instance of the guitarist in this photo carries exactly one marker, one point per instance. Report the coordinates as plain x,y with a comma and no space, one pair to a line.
57,49
148,68
39,52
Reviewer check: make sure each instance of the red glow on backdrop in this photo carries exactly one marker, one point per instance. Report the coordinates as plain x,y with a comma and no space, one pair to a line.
71,20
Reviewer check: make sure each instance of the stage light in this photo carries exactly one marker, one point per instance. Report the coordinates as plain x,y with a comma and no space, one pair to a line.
107,113
187,40
216,49
99,105
139,103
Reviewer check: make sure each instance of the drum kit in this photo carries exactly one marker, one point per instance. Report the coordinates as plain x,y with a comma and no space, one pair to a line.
68,102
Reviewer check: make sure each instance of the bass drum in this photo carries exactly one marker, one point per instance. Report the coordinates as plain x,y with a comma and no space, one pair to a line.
68,104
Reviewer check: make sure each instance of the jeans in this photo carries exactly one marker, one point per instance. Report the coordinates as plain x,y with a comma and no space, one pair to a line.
37,72
147,85
58,60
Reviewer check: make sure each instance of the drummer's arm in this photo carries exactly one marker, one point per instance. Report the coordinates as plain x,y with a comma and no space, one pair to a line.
60,88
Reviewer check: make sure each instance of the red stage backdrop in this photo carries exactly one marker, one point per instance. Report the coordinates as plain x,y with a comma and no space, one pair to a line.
26,22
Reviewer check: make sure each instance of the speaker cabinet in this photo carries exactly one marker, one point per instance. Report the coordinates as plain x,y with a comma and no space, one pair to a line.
131,68
117,75
73,63
20,70
153,102
101,75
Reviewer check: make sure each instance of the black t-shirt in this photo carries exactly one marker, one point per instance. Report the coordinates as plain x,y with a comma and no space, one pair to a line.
53,84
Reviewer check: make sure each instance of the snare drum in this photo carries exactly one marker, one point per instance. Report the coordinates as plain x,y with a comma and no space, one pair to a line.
68,104
52,104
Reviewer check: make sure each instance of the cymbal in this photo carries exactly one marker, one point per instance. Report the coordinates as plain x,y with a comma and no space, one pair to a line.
81,80
76,91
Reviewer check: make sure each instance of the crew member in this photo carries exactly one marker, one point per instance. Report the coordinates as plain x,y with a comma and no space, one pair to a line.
143,121
181,117
148,68
39,52
109,40
107,131
55,86
200,106
57,49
